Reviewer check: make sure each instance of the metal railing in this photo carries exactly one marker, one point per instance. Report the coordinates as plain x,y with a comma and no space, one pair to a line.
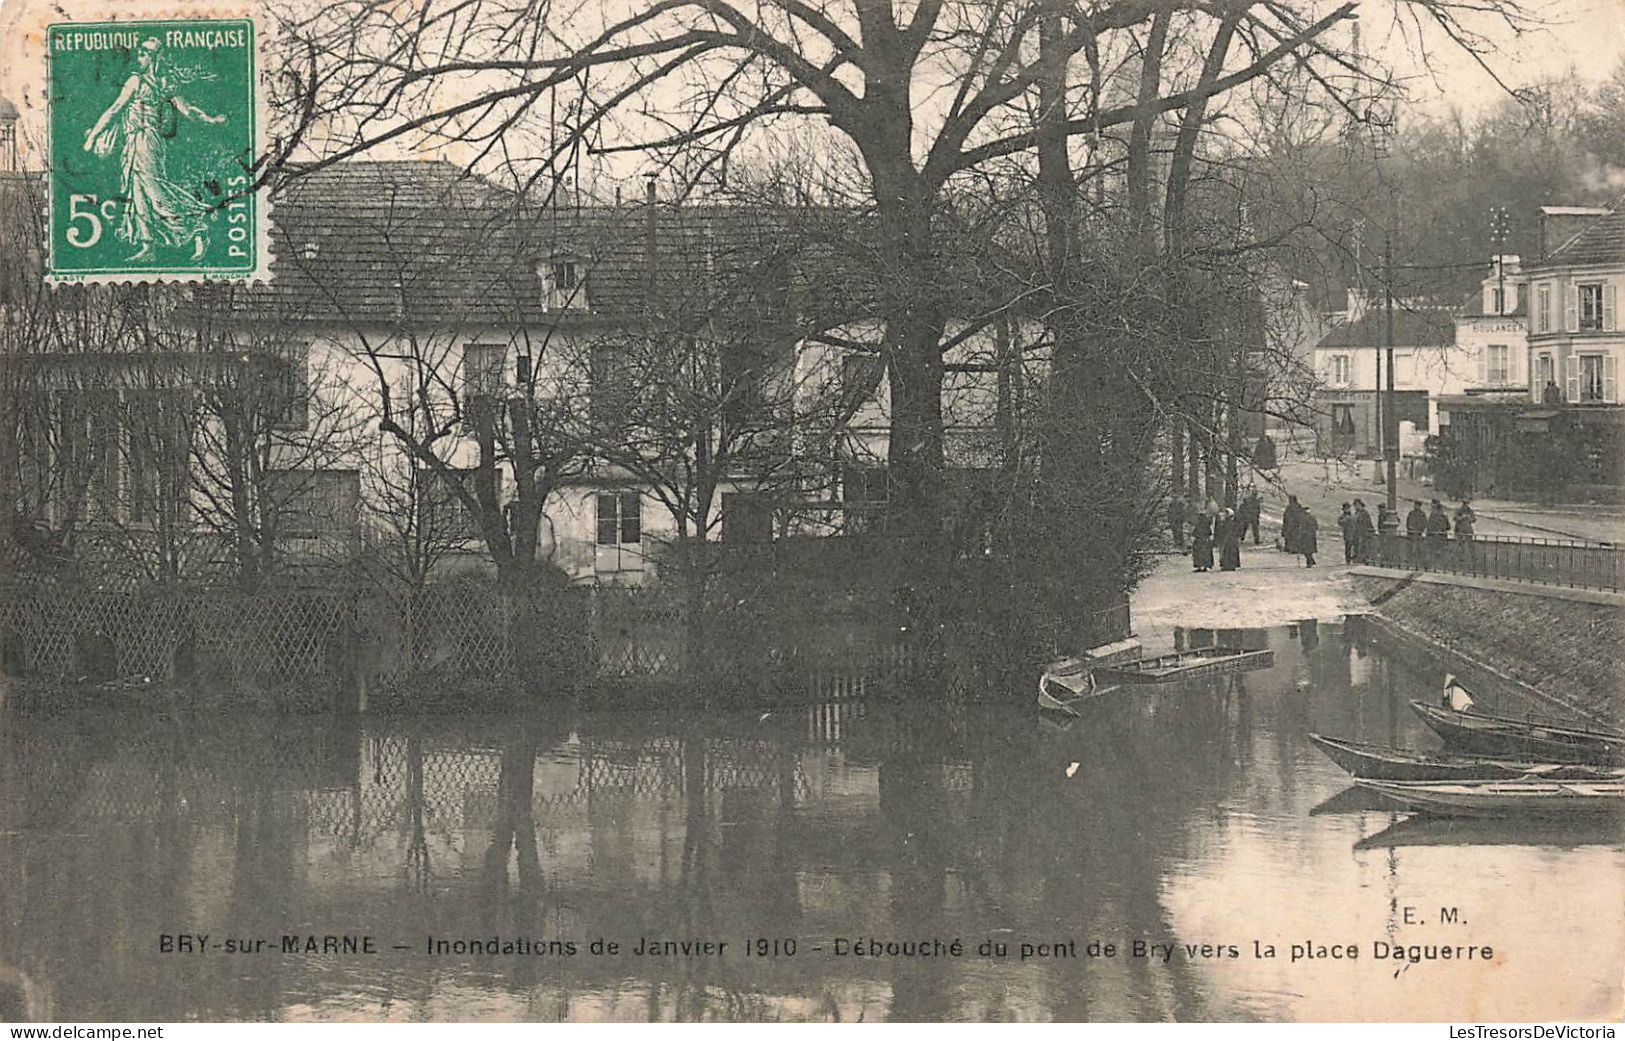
1560,562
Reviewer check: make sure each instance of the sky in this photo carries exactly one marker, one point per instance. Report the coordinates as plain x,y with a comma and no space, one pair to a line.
1585,35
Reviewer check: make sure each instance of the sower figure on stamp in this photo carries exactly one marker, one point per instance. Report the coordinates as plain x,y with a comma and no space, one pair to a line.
140,122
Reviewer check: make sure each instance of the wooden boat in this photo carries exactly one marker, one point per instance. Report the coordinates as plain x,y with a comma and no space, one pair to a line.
1379,763
1068,683
1508,736
1425,829
1352,799
1181,665
1504,798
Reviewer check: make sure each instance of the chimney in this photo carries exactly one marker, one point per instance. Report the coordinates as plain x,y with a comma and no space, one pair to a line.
649,243
1559,224
1357,304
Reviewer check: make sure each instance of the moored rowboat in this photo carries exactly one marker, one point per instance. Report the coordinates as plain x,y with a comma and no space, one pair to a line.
1504,798
1200,661
1380,763
1067,684
1507,736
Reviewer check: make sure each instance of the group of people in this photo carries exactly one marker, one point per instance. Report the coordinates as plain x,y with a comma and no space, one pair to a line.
1359,530
1214,528
1437,524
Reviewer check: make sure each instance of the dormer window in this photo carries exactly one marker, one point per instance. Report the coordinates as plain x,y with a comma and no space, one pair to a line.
564,286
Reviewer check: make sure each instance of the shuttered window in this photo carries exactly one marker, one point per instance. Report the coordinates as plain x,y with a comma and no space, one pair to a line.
1591,305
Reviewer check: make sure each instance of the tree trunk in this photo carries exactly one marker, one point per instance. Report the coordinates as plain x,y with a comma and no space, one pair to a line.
1176,455
248,571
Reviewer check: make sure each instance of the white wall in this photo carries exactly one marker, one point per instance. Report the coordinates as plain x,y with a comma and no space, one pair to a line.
1436,370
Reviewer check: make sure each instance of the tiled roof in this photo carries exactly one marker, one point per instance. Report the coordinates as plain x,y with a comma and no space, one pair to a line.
388,241
1412,328
1602,242
424,242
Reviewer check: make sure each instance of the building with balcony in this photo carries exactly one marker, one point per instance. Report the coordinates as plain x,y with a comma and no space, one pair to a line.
1558,436
1442,353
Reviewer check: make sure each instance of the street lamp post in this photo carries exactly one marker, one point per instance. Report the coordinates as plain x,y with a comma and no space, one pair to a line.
1390,447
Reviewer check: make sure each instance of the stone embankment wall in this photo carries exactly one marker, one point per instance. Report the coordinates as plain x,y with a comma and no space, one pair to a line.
1570,652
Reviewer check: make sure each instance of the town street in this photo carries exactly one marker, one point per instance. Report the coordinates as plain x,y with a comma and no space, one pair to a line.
1323,485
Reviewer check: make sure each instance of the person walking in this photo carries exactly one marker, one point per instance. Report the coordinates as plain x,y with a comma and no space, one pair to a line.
1251,512
1176,521
1202,543
1345,524
1465,518
1364,532
1229,539
1308,545
1289,524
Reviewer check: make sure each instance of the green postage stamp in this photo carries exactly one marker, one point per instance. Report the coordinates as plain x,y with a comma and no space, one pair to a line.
155,132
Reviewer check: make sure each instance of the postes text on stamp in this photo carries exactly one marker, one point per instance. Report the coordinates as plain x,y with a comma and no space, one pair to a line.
154,136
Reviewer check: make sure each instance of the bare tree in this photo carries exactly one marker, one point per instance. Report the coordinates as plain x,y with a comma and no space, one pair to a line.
692,82
454,365
152,444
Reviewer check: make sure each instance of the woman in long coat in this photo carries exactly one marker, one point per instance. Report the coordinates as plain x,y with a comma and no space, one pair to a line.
1202,543
1289,524
1308,545
1228,536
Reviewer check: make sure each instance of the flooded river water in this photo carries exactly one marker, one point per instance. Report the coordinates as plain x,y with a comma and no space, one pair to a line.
1145,861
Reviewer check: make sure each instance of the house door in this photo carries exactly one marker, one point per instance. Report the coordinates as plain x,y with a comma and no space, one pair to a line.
1343,431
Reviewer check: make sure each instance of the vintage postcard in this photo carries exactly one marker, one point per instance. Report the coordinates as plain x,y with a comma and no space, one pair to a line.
812,511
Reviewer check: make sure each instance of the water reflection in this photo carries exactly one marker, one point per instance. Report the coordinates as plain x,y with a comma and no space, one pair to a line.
1187,819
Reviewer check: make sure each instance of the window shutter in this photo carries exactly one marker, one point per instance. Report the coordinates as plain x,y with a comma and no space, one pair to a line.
631,517
1610,378
1608,305
1484,366
1571,373
1571,310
